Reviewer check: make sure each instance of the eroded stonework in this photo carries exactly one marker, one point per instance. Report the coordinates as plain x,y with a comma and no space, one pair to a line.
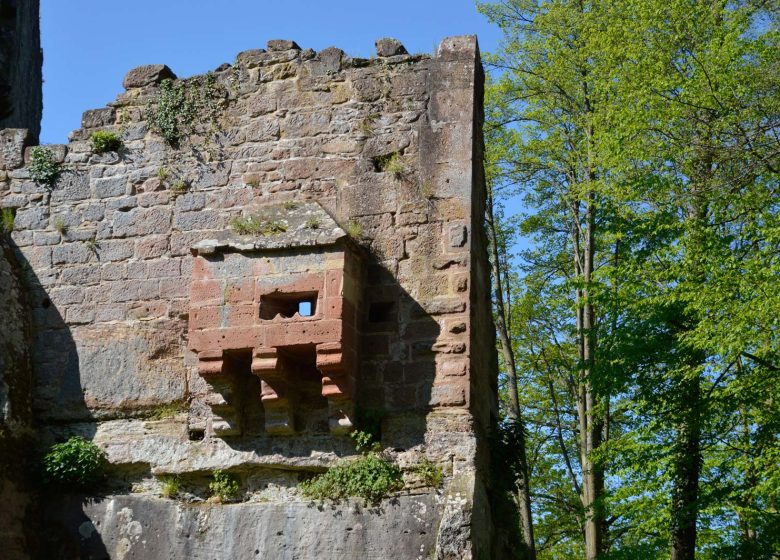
308,255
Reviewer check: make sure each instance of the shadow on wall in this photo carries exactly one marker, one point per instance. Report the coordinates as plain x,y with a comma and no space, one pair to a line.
55,379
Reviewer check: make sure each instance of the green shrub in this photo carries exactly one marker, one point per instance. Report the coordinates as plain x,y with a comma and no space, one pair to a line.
225,486
170,485
43,168
77,462
7,217
371,477
104,141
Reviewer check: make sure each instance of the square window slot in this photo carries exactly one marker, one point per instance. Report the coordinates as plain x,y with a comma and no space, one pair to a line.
287,305
381,312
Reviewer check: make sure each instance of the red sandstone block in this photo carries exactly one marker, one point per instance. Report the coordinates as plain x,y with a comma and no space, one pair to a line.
240,291
333,307
456,326
333,283
207,292
241,315
307,332
422,330
236,338
204,318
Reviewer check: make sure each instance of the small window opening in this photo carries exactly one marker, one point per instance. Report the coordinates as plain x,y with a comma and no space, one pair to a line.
380,312
305,308
287,305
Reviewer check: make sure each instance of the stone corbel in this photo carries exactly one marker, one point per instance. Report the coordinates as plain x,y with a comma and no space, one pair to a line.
274,379
337,386
226,419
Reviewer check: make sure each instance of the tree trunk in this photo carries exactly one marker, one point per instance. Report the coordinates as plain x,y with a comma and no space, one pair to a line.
524,483
687,468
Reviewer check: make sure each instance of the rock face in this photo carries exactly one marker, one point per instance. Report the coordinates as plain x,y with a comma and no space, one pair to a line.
302,257
21,62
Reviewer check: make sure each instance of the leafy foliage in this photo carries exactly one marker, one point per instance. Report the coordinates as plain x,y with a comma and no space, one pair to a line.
44,168
181,105
103,141
371,477
431,474
225,486
665,115
76,462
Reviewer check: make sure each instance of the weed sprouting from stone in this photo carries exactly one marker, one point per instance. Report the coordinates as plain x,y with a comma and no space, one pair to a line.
224,486
44,168
104,141
7,217
254,225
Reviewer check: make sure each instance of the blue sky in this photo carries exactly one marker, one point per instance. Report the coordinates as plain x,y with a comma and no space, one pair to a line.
90,45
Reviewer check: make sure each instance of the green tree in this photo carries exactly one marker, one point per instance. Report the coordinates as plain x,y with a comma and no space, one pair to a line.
643,136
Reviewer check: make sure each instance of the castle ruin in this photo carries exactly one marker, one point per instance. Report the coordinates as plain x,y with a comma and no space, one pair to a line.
301,256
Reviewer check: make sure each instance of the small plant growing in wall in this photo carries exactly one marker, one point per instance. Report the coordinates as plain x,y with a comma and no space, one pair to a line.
179,187
371,477
60,226
254,225
44,168
170,486
354,229
224,486
430,473
104,141
171,113
313,223
75,463
390,164
7,217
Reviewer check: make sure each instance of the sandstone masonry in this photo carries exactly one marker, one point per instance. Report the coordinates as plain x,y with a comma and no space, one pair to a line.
357,291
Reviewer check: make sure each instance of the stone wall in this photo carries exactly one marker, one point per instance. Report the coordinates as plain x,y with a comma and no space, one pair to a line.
390,147
20,65
15,412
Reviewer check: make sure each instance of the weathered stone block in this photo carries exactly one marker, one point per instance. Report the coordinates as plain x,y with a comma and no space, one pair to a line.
94,118
111,186
13,142
147,75
282,45
389,47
